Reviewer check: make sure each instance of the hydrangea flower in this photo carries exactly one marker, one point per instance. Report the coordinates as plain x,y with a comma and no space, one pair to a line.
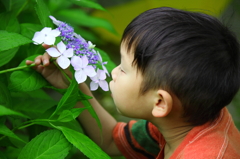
84,58
82,69
99,80
62,54
46,35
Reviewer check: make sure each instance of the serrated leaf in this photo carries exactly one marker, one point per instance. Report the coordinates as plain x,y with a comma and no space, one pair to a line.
89,4
24,81
5,111
83,143
7,132
12,40
79,17
43,13
7,55
49,144
31,103
69,115
29,29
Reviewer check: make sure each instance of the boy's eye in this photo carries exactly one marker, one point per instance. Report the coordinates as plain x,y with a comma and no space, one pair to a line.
121,69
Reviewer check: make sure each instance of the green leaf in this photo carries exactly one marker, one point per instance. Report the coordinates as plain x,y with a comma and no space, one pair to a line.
29,29
11,40
77,16
9,22
26,81
69,99
43,13
33,104
5,96
69,115
49,144
7,55
5,111
5,131
89,4
83,143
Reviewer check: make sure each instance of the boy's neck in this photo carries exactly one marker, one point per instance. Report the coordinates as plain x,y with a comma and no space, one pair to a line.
173,136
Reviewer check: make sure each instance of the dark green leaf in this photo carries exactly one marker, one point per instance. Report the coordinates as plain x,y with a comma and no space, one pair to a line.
29,29
43,13
9,22
14,6
33,104
69,115
7,55
49,144
69,99
5,111
11,40
5,96
83,143
76,16
5,131
88,3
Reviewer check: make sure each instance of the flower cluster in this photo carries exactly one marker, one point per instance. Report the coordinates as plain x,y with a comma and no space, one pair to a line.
76,51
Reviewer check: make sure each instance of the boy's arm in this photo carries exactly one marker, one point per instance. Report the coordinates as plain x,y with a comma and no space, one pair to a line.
104,139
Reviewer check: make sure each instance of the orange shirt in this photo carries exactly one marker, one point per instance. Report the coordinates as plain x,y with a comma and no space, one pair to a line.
142,140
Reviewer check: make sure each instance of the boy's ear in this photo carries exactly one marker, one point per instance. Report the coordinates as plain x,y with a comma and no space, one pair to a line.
162,104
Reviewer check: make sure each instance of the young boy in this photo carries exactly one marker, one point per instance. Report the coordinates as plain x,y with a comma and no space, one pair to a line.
178,71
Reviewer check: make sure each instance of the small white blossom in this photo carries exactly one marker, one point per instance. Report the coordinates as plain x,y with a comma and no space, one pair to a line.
46,36
62,54
99,80
82,69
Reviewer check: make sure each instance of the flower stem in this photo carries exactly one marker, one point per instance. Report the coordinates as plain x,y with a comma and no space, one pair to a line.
69,80
17,68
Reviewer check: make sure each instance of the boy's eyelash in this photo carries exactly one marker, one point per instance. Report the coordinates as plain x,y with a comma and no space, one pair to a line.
121,69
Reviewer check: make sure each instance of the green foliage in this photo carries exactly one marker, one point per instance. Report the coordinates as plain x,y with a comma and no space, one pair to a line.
27,107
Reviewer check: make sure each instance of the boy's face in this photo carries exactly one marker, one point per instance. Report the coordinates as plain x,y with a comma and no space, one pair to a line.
125,88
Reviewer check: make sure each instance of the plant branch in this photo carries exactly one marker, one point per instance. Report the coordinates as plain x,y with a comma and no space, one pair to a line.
17,68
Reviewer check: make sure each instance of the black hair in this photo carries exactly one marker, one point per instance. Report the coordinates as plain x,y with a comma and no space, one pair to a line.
190,54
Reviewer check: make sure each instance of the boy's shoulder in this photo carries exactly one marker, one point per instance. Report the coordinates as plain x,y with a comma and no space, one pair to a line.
220,139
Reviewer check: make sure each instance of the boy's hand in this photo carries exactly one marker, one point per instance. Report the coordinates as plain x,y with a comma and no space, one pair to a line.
50,71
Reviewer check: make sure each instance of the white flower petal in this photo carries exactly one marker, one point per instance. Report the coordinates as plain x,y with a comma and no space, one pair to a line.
53,52
68,52
93,86
55,33
61,47
55,21
102,75
38,38
90,71
95,79
76,62
105,70
63,62
46,30
80,76
100,57
104,85
84,61
49,40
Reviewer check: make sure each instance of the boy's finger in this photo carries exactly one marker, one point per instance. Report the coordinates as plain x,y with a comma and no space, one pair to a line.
38,60
28,62
46,59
